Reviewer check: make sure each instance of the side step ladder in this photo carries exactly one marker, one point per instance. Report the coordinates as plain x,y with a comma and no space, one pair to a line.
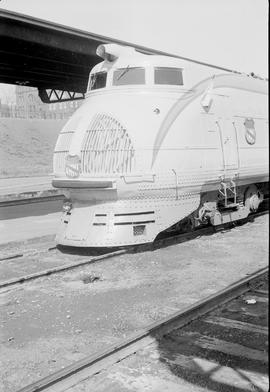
231,211
228,191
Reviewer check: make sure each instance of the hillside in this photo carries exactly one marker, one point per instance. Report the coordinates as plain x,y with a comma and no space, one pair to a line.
26,146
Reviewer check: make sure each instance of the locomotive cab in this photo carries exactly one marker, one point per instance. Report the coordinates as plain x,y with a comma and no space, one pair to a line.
112,133
134,70
104,152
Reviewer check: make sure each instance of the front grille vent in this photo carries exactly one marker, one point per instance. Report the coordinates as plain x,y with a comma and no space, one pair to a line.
61,151
106,147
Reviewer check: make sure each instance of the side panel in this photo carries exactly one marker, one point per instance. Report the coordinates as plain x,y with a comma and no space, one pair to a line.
228,140
243,123
253,141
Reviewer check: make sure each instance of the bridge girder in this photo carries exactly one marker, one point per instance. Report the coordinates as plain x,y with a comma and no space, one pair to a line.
46,55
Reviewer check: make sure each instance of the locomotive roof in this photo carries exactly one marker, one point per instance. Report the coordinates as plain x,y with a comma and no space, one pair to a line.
132,58
118,56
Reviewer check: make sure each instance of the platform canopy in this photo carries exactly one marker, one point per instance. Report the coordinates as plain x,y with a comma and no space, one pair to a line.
46,55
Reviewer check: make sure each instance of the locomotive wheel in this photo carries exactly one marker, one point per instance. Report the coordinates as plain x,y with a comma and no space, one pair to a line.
253,198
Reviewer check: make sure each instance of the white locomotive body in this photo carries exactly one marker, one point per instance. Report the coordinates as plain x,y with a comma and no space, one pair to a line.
160,142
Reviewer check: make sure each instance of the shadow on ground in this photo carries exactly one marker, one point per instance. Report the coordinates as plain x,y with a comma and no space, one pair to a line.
221,357
85,251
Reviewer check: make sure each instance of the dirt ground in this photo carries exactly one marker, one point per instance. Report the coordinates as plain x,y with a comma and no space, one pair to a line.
51,322
26,146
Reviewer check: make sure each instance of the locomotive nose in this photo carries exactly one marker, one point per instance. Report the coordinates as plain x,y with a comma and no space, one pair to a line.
102,146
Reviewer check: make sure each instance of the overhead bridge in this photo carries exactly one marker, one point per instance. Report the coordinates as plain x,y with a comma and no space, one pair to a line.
54,58
45,55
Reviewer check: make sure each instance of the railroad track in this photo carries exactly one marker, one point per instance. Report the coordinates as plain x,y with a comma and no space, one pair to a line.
166,241
188,343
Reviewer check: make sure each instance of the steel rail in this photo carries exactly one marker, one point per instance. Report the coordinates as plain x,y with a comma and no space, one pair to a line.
137,248
32,252
97,362
55,270
66,267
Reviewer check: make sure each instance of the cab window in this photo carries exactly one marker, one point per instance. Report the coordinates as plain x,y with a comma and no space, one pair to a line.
129,75
97,80
166,75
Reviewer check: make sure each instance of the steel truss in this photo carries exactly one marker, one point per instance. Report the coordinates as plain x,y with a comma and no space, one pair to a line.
53,95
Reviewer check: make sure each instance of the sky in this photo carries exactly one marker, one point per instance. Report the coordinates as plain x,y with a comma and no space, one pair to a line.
228,33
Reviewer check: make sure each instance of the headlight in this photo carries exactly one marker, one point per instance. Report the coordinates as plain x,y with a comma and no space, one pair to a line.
67,207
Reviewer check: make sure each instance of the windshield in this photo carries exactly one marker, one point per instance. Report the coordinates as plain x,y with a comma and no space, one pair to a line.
97,80
128,75
166,75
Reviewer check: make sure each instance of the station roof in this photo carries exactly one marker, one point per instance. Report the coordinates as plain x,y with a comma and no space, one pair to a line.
42,54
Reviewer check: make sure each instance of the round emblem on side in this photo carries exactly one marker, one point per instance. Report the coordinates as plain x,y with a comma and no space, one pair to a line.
73,166
250,134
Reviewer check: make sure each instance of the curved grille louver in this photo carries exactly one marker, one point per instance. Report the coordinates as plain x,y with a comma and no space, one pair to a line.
61,151
106,147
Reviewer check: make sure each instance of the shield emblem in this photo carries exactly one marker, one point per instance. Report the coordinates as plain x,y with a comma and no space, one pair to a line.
250,134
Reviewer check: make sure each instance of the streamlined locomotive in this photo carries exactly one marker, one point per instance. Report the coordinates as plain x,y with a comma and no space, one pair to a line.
159,144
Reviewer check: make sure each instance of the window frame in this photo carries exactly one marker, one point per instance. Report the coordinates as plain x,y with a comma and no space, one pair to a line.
98,88
144,83
155,68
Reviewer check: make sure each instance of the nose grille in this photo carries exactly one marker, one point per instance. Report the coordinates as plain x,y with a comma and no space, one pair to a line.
106,147
61,151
